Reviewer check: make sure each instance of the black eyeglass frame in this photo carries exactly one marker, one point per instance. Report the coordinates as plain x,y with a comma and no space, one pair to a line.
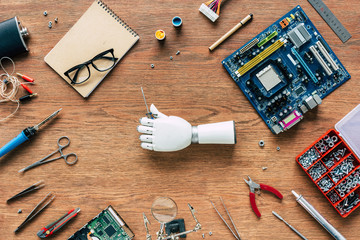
87,63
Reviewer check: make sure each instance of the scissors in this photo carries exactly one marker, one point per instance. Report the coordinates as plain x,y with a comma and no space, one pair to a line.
61,147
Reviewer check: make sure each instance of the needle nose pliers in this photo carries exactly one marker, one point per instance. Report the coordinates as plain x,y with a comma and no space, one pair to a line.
257,187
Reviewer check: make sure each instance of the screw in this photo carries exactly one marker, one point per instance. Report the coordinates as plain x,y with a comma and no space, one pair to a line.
56,20
152,65
19,211
171,57
264,168
50,24
210,233
178,52
203,235
261,143
45,13
278,148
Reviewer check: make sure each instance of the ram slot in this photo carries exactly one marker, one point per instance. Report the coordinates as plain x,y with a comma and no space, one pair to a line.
250,45
305,66
260,57
321,61
327,56
268,38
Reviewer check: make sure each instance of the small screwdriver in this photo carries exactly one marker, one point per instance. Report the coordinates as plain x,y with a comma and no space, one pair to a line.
25,135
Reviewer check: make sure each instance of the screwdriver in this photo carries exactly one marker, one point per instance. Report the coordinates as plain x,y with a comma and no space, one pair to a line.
25,135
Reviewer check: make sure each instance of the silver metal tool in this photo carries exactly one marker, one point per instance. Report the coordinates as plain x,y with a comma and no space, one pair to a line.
287,224
61,147
148,113
33,187
38,208
331,20
315,214
146,223
237,235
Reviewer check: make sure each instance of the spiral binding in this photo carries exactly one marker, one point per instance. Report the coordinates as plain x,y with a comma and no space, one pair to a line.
116,17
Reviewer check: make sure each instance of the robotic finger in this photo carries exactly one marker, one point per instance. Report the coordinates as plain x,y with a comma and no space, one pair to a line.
144,129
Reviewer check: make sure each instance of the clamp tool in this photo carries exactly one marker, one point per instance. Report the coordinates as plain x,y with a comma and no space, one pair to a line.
257,187
55,226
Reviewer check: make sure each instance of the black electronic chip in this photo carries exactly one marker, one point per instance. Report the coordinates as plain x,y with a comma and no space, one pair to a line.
106,220
299,90
100,233
110,230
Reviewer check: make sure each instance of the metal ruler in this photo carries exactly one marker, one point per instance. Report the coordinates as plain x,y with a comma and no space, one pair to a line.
331,20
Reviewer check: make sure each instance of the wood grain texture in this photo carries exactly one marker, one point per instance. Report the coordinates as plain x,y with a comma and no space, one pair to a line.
113,169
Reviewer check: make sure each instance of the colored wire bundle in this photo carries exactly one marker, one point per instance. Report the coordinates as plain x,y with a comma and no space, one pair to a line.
214,5
9,86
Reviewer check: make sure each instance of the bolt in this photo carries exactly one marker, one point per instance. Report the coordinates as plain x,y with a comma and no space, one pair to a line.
56,20
19,211
203,235
264,168
50,24
171,57
261,143
178,52
278,148
210,233
45,13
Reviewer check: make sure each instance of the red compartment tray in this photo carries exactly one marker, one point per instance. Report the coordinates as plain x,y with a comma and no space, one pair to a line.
335,169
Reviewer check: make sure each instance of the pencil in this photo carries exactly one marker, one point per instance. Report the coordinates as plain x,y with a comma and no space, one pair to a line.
229,33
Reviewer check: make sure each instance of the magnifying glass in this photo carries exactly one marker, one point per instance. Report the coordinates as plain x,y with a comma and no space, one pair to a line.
164,210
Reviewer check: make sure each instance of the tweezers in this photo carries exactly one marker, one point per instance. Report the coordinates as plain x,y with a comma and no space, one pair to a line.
33,187
38,208
237,236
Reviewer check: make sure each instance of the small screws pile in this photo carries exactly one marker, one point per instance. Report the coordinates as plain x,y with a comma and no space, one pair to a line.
326,143
334,157
348,203
325,184
333,196
317,171
45,13
342,169
349,183
309,157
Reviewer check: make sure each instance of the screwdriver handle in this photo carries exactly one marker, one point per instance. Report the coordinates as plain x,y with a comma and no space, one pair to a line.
14,143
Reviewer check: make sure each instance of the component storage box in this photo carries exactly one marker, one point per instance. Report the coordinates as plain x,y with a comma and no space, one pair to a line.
332,163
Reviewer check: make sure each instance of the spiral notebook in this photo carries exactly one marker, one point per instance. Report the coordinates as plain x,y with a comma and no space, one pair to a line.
98,30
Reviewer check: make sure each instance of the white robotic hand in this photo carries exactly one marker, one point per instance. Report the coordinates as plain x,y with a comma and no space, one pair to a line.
167,134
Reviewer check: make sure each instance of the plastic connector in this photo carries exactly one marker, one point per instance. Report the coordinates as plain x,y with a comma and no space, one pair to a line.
204,9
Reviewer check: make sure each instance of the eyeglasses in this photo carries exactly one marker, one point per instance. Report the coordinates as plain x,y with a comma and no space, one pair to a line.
102,62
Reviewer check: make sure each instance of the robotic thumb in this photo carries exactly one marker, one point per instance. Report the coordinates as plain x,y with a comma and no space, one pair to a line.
156,112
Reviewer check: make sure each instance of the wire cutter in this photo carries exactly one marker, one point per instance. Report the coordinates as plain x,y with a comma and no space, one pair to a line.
257,187
55,226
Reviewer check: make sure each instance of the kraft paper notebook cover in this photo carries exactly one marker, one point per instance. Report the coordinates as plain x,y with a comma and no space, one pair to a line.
98,30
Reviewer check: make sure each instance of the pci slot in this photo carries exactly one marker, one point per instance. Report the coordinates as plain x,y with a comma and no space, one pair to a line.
327,56
260,57
250,45
305,66
321,61
268,38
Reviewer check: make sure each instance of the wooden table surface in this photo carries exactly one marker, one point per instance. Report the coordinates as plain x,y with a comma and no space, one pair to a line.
114,169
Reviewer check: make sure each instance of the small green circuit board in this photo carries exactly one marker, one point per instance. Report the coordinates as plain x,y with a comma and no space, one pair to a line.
108,225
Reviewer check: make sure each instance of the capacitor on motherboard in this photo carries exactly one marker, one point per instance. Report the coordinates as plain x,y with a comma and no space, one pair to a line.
12,35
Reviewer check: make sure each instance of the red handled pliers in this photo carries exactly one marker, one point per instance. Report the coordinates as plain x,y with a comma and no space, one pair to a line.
257,187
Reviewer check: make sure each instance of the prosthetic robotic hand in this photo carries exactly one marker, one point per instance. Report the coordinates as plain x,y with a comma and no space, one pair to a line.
170,133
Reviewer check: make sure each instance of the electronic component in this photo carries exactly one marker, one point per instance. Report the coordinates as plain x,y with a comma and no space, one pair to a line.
299,35
249,45
268,78
256,60
268,38
292,119
106,225
281,74
175,226
320,60
284,23
211,9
